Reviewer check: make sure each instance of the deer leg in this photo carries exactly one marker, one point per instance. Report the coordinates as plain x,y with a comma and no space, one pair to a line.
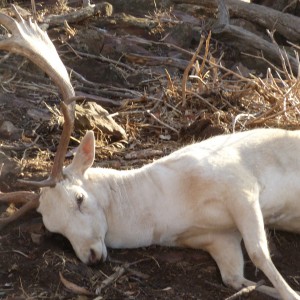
227,252
248,217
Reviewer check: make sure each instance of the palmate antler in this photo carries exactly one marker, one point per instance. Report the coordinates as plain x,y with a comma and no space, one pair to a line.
28,40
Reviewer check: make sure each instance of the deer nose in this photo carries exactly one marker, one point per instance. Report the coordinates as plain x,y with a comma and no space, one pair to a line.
93,258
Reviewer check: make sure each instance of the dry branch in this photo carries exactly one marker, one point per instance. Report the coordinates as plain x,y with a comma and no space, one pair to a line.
103,8
106,102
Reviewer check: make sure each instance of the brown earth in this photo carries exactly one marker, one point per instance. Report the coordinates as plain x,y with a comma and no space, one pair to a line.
31,258
31,271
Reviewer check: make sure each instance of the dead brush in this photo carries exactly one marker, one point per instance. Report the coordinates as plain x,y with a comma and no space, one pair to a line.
208,88
277,101
162,18
62,6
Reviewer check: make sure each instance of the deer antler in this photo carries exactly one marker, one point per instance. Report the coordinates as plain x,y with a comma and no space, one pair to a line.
28,40
29,200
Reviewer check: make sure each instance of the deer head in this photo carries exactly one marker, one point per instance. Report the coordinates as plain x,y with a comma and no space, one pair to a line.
77,215
28,40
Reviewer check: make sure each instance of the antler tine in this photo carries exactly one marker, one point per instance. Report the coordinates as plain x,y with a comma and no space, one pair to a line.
31,201
30,41
18,15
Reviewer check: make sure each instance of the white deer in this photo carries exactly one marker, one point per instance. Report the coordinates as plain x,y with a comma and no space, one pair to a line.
208,195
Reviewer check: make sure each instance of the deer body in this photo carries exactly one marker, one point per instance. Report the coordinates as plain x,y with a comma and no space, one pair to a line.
208,195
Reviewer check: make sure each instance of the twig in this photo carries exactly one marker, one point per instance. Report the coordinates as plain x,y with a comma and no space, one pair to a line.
170,82
161,122
246,290
73,50
20,252
147,60
200,57
115,261
187,70
283,59
15,251
119,271
239,117
22,289
126,113
19,148
207,43
4,58
204,100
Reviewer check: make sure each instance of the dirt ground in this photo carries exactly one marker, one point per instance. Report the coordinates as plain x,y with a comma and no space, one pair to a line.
30,271
32,259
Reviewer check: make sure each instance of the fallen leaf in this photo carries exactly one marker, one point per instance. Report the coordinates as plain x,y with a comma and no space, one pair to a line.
74,287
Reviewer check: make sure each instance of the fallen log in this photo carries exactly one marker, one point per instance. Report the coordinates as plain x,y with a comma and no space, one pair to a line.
285,24
242,39
103,9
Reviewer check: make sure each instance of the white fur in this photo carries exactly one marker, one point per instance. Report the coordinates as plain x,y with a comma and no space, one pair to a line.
208,195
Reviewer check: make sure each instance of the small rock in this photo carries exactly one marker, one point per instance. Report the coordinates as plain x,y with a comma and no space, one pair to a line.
91,116
39,114
8,166
37,238
9,131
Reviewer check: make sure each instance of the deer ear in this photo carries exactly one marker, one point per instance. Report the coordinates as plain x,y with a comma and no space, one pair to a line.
85,154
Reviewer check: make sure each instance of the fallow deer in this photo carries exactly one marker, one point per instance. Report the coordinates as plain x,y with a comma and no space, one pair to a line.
209,195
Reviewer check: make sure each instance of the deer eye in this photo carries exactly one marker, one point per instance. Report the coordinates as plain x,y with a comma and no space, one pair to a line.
79,199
